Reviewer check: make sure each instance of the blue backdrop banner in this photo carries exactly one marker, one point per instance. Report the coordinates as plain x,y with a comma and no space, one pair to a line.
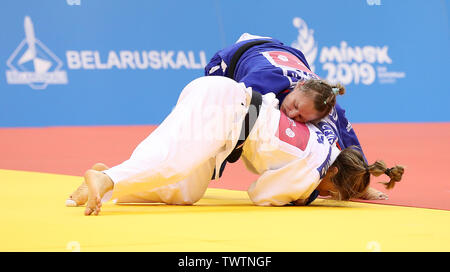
85,62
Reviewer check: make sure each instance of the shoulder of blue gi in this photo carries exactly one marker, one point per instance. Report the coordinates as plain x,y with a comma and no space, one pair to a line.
222,58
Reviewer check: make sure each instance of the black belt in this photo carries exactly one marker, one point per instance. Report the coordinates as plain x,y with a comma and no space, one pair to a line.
247,125
253,112
238,54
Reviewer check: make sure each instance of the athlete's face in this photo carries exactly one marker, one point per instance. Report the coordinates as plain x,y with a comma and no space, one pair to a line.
326,186
299,106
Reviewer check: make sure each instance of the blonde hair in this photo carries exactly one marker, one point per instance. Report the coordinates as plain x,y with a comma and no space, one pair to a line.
324,94
353,176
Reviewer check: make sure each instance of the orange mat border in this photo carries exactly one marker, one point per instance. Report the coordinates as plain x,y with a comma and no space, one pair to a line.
422,148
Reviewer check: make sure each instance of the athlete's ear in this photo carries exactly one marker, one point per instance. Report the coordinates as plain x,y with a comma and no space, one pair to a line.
333,170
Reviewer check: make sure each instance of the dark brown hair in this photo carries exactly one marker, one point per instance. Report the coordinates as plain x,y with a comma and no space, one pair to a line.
353,176
324,95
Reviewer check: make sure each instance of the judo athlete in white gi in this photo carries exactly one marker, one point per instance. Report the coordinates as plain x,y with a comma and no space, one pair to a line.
174,164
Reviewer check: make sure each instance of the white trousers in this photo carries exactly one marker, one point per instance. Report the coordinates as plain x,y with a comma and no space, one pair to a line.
175,163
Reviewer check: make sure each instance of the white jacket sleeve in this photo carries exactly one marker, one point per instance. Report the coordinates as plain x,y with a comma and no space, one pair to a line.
296,180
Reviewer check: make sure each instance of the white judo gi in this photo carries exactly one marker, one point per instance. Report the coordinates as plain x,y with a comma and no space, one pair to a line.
174,164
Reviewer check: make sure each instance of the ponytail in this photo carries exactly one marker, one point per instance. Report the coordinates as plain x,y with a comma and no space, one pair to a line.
337,89
395,173
353,176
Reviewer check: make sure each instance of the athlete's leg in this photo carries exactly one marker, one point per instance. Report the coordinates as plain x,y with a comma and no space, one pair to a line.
205,123
185,192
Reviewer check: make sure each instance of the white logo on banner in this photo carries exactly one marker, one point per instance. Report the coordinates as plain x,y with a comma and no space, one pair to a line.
373,2
344,63
73,2
140,60
305,41
33,63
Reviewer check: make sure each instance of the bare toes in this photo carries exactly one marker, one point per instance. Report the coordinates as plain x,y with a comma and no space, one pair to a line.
88,211
78,197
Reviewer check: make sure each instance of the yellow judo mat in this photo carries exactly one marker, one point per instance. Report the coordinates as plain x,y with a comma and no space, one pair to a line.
34,218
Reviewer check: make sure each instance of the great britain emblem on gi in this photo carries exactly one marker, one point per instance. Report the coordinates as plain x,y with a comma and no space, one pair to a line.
32,63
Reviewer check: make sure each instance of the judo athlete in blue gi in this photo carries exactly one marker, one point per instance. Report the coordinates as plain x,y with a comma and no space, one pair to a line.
268,66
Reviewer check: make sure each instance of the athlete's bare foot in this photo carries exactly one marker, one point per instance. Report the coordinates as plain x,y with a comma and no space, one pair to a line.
80,195
98,184
373,194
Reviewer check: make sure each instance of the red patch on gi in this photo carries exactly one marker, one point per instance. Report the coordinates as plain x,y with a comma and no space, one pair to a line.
292,132
287,61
